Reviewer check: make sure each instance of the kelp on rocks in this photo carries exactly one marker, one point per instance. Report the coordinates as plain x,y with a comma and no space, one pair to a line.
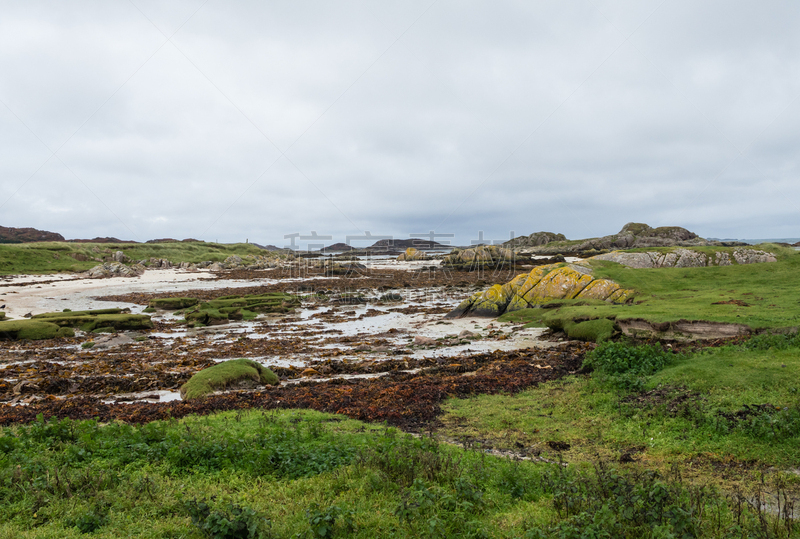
409,401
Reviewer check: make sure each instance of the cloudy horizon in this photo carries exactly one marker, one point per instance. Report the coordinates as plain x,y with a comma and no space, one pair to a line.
232,122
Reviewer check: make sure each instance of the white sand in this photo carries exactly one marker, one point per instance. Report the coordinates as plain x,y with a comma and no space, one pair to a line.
26,295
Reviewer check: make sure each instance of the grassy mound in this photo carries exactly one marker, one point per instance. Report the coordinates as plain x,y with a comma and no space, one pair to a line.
52,257
100,318
172,303
32,330
227,374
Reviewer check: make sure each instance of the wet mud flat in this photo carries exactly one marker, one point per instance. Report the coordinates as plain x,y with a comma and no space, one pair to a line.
347,349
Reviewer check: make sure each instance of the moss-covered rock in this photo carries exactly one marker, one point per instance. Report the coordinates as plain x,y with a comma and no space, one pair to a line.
100,318
2,315
542,285
32,330
172,303
221,310
236,373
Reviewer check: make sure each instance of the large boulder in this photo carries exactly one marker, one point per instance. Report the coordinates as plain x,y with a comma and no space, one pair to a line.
32,330
114,269
535,240
233,374
542,285
687,258
412,254
479,257
116,319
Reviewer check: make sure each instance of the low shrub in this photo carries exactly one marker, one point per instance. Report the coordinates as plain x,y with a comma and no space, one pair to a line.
625,365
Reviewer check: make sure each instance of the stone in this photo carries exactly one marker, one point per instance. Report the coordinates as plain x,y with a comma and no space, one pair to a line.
421,340
412,254
542,285
479,257
686,258
114,269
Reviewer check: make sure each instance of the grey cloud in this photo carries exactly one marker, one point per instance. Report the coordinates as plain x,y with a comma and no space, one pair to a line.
400,117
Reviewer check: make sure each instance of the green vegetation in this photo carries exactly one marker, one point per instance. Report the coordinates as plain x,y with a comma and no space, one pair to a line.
225,375
760,296
735,403
53,257
307,474
172,303
32,330
105,319
226,308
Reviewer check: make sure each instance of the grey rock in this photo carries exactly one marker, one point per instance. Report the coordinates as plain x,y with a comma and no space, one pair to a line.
420,340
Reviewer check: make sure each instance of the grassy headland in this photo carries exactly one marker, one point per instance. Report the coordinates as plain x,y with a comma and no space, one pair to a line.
760,296
53,257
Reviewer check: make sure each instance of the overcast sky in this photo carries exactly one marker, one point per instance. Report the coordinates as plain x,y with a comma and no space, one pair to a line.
253,120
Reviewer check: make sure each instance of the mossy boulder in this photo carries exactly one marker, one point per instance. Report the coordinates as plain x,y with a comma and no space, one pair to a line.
412,254
32,330
172,303
221,310
117,319
236,373
542,285
597,330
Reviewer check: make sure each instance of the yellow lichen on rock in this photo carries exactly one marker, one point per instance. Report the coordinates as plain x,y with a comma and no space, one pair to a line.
542,285
412,254
561,283
598,289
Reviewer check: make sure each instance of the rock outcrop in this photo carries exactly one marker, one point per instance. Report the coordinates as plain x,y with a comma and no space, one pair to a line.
412,254
25,235
542,285
115,269
479,257
687,258
632,235
536,239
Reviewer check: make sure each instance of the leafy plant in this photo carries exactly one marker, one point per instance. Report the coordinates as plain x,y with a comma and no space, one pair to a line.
323,522
234,523
89,521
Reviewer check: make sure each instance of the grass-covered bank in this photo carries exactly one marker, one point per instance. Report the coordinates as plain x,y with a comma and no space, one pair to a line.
759,296
308,474
731,408
54,257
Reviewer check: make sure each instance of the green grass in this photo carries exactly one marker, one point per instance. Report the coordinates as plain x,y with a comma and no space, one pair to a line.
53,257
226,374
710,403
308,474
671,294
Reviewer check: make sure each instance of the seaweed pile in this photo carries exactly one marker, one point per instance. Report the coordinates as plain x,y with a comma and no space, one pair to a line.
409,401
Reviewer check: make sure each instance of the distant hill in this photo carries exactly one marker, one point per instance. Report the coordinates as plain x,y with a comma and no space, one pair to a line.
405,244
102,240
338,247
27,235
